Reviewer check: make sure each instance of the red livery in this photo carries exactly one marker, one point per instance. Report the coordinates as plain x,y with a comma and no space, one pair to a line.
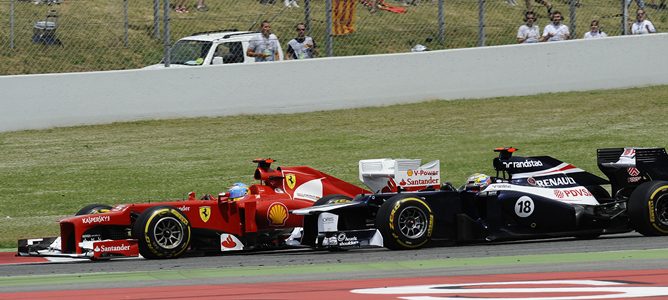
258,218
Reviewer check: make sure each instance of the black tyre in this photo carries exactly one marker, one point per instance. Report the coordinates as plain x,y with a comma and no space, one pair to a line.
405,221
162,232
648,208
93,209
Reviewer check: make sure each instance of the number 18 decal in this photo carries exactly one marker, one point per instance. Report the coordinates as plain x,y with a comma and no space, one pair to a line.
524,207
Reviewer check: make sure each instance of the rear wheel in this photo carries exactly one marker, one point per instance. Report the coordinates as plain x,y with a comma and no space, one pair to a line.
648,208
162,232
93,209
405,221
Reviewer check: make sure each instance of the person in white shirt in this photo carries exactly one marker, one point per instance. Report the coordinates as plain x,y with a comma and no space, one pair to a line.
264,47
595,32
642,25
555,31
529,32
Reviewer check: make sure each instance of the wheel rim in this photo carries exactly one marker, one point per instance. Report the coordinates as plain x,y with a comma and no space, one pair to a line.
412,222
661,209
168,233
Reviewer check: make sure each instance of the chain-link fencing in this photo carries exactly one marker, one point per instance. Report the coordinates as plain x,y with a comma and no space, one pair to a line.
48,36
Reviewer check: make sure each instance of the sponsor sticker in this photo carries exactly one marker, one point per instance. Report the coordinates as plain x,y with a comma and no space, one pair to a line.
184,208
96,219
425,175
277,214
522,164
205,213
633,171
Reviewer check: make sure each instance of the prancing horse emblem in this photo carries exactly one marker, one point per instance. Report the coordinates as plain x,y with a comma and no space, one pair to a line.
291,179
205,213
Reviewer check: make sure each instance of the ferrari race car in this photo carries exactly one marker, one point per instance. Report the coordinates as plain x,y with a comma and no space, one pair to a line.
529,198
245,217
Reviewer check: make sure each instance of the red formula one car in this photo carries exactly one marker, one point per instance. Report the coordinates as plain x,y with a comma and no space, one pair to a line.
256,218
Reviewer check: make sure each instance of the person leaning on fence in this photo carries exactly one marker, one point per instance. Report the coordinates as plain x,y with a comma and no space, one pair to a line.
528,32
264,47
595,32
302,46
642,25
555,31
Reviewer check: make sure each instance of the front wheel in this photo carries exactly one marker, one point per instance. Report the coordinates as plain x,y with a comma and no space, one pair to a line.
648,208
405,221
162,232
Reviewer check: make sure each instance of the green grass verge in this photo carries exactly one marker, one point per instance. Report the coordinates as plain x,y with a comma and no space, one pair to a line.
389,266
47,174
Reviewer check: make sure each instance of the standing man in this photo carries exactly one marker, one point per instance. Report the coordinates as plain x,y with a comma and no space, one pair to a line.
642,25
264,47
556,31
529,32
302,46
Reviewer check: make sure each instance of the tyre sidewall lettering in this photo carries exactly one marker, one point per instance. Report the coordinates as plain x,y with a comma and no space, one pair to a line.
149,230
651,206
393,218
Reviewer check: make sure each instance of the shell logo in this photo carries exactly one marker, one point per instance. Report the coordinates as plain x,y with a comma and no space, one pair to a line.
410,172
277,214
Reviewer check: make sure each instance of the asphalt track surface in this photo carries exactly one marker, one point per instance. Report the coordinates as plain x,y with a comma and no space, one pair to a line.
616,252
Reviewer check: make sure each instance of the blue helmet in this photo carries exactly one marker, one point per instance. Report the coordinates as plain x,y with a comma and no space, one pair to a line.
238,190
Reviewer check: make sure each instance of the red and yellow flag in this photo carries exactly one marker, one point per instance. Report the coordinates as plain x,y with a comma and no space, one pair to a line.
343,16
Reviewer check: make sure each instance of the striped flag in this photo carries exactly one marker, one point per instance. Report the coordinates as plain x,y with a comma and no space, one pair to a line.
343,15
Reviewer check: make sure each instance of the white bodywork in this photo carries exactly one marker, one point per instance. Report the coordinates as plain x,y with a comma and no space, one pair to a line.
378,174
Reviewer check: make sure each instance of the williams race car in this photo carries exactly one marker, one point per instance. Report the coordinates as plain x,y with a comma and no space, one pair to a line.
530,197
243,218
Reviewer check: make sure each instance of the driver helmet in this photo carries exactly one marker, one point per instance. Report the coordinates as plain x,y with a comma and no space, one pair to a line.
237,191
477,182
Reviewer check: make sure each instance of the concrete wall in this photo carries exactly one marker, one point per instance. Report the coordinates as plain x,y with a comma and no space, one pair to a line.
43,101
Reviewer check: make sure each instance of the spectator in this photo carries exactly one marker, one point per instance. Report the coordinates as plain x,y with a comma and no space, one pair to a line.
595,32
180,7
642,25
302,46
529,32
641,3
555,31
545,3
201,6
264,47
290,3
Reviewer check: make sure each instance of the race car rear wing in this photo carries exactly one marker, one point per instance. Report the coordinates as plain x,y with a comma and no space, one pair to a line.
394,175
629,167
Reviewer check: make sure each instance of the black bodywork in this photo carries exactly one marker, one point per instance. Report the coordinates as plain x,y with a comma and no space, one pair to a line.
530,197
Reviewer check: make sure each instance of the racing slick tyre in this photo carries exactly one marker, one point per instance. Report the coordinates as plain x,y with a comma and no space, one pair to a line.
93,209
648,208
311,222
162,232
405,221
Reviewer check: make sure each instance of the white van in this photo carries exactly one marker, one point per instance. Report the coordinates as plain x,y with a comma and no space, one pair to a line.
212,48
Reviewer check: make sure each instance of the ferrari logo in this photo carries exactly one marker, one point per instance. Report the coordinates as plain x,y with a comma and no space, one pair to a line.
205,213
291,180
